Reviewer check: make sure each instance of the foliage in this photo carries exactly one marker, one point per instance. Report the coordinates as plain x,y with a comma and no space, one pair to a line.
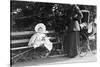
25,15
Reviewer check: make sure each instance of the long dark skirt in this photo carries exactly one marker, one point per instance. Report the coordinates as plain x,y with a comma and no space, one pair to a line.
71,40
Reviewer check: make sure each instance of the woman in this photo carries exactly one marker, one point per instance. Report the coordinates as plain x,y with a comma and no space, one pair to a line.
40,41
72,36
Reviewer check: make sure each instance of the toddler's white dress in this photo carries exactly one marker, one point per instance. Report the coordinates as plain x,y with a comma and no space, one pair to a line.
40,39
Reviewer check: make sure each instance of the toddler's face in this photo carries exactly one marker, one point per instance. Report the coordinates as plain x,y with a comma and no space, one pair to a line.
40,30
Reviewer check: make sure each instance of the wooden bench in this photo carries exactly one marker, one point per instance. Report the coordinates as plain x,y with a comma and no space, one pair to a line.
19,40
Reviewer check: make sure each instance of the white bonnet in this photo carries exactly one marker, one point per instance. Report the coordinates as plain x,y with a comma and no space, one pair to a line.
40,25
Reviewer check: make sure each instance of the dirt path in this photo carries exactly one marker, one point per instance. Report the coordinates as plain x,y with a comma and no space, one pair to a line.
57,60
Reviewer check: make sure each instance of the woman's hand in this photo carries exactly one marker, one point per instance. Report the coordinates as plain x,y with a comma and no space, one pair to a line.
83,25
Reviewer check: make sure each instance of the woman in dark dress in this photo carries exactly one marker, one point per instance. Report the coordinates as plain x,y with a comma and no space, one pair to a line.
72,36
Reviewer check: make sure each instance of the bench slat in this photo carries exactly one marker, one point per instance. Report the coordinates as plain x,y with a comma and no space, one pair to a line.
25,40
26,33
27,47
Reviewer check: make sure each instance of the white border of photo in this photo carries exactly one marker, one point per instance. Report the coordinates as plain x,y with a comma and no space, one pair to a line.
5,32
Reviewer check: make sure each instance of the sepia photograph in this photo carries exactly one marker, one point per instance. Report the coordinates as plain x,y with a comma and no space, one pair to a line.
44,33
